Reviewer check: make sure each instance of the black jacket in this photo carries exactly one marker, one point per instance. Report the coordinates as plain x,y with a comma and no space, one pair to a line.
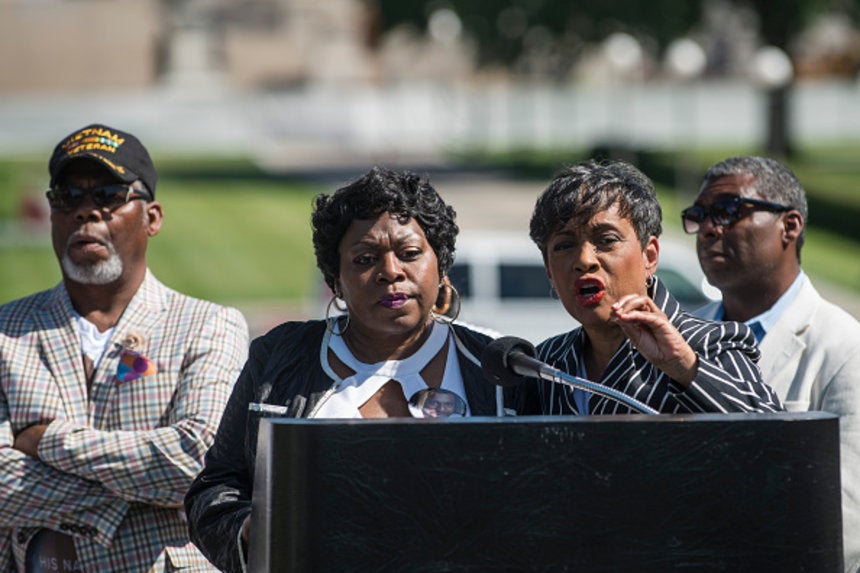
283,369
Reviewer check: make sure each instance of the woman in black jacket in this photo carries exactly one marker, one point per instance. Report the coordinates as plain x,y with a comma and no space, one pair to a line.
384,244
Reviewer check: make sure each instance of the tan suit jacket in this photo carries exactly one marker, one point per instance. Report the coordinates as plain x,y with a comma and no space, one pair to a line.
116,461
811,358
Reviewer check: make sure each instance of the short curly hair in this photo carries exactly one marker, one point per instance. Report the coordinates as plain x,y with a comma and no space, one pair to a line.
581,191
381,191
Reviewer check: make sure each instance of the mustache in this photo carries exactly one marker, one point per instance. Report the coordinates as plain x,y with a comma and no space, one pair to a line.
82,235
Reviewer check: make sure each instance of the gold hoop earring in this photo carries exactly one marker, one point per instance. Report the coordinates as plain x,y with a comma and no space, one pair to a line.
443,298
450,298
331,321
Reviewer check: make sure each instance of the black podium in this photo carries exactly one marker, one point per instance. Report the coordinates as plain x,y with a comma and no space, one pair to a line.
745,492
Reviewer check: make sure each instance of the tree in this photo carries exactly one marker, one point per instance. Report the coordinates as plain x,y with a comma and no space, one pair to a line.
501,30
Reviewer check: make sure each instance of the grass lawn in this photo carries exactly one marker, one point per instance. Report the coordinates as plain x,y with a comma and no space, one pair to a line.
237,236
231,241
237,242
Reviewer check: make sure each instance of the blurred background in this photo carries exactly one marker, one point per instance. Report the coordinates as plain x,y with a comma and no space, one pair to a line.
252,107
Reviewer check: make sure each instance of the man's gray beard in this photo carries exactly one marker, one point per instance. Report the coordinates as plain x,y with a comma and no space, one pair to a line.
101,273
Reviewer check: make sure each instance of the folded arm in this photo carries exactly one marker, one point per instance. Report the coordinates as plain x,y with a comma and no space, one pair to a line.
156,464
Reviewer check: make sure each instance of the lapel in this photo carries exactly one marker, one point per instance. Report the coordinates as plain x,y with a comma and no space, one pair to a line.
783,345
60,344
628,369
480,394
141,317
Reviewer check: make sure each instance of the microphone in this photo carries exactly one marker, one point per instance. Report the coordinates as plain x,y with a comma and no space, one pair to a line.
507,360
503,360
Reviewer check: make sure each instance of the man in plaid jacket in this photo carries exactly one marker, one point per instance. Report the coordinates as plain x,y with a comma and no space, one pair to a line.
111,384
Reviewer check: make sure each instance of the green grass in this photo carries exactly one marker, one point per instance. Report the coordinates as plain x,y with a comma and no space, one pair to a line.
231,241
236,242
238,236
18,179
832,257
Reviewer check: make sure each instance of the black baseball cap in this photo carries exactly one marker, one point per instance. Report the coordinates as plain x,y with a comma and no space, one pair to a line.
121,153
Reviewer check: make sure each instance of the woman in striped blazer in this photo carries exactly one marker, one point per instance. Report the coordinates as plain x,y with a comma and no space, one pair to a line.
598,226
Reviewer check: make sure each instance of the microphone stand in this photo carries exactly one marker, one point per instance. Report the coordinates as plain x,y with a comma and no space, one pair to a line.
547,372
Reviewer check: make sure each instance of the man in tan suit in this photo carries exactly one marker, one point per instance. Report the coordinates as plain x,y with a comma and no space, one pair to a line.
111,384
749,220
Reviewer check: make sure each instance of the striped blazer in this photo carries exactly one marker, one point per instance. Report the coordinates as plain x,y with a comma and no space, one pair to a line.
728,379
115,465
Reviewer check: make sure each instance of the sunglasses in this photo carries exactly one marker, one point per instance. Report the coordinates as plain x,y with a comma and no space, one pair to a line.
725,212
108,197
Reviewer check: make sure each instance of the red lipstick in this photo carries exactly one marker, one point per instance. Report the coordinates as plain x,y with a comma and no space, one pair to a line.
589,291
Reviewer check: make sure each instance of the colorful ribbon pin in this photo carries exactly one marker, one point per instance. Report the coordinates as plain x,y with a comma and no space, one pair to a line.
133,364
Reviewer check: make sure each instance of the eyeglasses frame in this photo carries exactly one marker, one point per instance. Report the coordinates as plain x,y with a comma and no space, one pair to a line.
140,194
761,205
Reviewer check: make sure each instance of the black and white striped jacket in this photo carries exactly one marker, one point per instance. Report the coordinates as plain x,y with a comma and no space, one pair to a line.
728,379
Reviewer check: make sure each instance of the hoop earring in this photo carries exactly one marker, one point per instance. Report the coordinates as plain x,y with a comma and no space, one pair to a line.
553,294
443,298
450,299
649,282
331,321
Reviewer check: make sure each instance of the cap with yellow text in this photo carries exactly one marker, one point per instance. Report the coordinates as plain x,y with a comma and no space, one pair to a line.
120,152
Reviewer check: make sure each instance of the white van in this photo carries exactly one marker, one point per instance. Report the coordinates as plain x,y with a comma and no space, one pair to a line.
504,289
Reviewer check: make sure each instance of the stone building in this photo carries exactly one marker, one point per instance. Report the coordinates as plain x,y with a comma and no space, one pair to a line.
59,45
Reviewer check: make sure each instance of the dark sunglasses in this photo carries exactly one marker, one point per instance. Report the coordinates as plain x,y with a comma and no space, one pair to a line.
724,212
107,197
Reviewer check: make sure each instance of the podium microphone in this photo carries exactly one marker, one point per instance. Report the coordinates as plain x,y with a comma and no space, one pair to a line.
508,359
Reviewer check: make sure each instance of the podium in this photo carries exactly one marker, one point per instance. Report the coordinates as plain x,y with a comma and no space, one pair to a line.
703,492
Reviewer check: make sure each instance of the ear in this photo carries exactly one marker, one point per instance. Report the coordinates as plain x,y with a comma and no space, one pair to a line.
792,227
154,218
651,255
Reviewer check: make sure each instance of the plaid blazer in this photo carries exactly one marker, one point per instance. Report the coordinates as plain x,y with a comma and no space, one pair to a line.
114,466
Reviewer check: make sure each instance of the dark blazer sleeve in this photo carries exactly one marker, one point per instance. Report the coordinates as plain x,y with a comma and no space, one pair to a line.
220,497
480,392
282,369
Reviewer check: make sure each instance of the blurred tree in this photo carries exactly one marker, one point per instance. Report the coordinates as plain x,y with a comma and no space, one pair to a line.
778,24
501,30
504,32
